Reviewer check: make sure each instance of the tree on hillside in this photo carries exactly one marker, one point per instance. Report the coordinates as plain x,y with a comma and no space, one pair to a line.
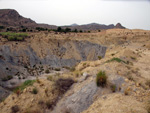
81,31
59,29
67,30
75,30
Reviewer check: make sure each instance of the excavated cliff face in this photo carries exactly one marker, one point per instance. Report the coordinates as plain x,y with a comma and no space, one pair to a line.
33,57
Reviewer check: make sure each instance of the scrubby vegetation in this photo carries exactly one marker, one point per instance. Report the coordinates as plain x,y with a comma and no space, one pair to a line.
41,29
133,58
34,91
113,87
126,92
11,36
116,59
59,29
2,27
69,68
15,109
63,84
7,78
99,57
57,69
50,104
67,30
47,71
130,77
101,79
2,99
24,85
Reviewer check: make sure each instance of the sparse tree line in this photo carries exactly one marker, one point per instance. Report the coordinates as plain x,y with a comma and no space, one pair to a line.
66,30
26,29
59,29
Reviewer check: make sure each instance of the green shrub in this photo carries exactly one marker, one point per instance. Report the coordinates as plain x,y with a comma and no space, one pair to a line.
67,30
18,92
101,79
75,30
49,104
113,87
2,27
57,69
133,58
116,59
130,77
126,92
41,29
34,91
19,38
47,71
25,66
15,109
10,36
84,64
112,54
80,31
7,78
2,99
24,85
37,80
66,67
59,29
99,57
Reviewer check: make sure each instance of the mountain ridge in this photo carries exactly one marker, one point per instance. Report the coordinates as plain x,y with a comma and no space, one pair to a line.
10,17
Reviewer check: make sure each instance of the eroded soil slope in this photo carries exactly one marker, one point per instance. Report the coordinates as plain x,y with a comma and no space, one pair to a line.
126,64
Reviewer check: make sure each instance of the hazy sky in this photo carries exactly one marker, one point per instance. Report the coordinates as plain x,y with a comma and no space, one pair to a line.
130,13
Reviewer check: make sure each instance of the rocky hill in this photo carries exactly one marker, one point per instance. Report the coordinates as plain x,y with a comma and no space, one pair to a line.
119,26
95,26
10,17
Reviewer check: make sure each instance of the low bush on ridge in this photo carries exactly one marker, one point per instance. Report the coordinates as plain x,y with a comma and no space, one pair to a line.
101,79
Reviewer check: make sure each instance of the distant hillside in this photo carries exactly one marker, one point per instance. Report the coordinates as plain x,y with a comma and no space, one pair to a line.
10,17
47,26
94,26
74,24
119,26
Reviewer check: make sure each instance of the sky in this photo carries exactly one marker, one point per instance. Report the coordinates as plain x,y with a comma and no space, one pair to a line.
133,14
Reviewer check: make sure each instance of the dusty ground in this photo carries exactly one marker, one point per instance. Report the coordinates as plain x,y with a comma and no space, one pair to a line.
132,79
